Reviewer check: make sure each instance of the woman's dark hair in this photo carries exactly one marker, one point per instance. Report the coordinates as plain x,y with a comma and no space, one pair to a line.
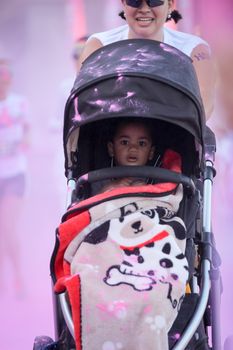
175,15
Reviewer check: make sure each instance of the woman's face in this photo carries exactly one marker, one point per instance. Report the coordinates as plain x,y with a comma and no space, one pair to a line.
147,22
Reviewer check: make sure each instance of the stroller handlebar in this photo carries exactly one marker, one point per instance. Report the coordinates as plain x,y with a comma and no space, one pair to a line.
154,173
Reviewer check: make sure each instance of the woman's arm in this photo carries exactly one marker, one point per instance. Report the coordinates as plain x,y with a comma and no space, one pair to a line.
92,45
206,75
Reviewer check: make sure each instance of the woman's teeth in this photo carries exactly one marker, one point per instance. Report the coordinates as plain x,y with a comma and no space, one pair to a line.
144,19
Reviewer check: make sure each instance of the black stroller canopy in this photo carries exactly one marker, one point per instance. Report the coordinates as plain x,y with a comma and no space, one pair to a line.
135,78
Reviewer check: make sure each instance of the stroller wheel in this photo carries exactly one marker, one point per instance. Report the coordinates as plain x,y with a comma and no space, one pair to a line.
44,343
228,343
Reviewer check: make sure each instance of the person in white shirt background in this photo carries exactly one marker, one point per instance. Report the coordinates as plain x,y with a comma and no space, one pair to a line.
13,168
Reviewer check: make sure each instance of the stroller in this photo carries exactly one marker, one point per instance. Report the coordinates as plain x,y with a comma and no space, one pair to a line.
105,277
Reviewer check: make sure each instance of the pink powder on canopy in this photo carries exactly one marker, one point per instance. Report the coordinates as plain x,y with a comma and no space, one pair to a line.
85,177
77,116
114,107
130,94
120,78
100,102
177,336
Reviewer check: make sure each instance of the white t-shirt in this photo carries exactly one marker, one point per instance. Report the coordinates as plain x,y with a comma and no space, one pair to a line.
183,41
13,116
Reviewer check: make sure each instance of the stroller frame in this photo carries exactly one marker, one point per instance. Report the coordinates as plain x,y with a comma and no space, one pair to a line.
209,290
207,268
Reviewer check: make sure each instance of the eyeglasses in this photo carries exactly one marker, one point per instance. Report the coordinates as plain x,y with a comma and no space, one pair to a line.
150,3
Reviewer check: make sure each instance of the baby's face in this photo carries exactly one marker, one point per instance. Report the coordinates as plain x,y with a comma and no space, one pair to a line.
132,144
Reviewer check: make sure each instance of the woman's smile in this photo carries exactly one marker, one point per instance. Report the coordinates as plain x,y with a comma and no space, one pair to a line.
145,20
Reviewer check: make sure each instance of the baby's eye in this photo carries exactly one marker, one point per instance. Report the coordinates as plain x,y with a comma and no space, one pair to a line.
124,142
142,143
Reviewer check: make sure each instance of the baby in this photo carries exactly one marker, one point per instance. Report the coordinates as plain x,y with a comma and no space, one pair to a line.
131,145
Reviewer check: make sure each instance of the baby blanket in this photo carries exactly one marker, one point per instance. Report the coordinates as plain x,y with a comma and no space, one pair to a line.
122,263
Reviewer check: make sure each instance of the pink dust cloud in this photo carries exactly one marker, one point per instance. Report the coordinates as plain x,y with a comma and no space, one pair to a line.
37,71
222,124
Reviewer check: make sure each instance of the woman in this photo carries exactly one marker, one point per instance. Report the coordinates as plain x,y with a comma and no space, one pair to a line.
145,20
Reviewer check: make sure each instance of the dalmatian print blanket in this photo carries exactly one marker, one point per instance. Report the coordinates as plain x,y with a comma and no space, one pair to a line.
126,272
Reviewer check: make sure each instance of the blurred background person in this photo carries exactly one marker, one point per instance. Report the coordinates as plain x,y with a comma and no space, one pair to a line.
56,123
13,168
66,85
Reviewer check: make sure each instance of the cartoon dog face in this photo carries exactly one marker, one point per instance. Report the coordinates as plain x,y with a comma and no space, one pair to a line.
139,227
152,243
